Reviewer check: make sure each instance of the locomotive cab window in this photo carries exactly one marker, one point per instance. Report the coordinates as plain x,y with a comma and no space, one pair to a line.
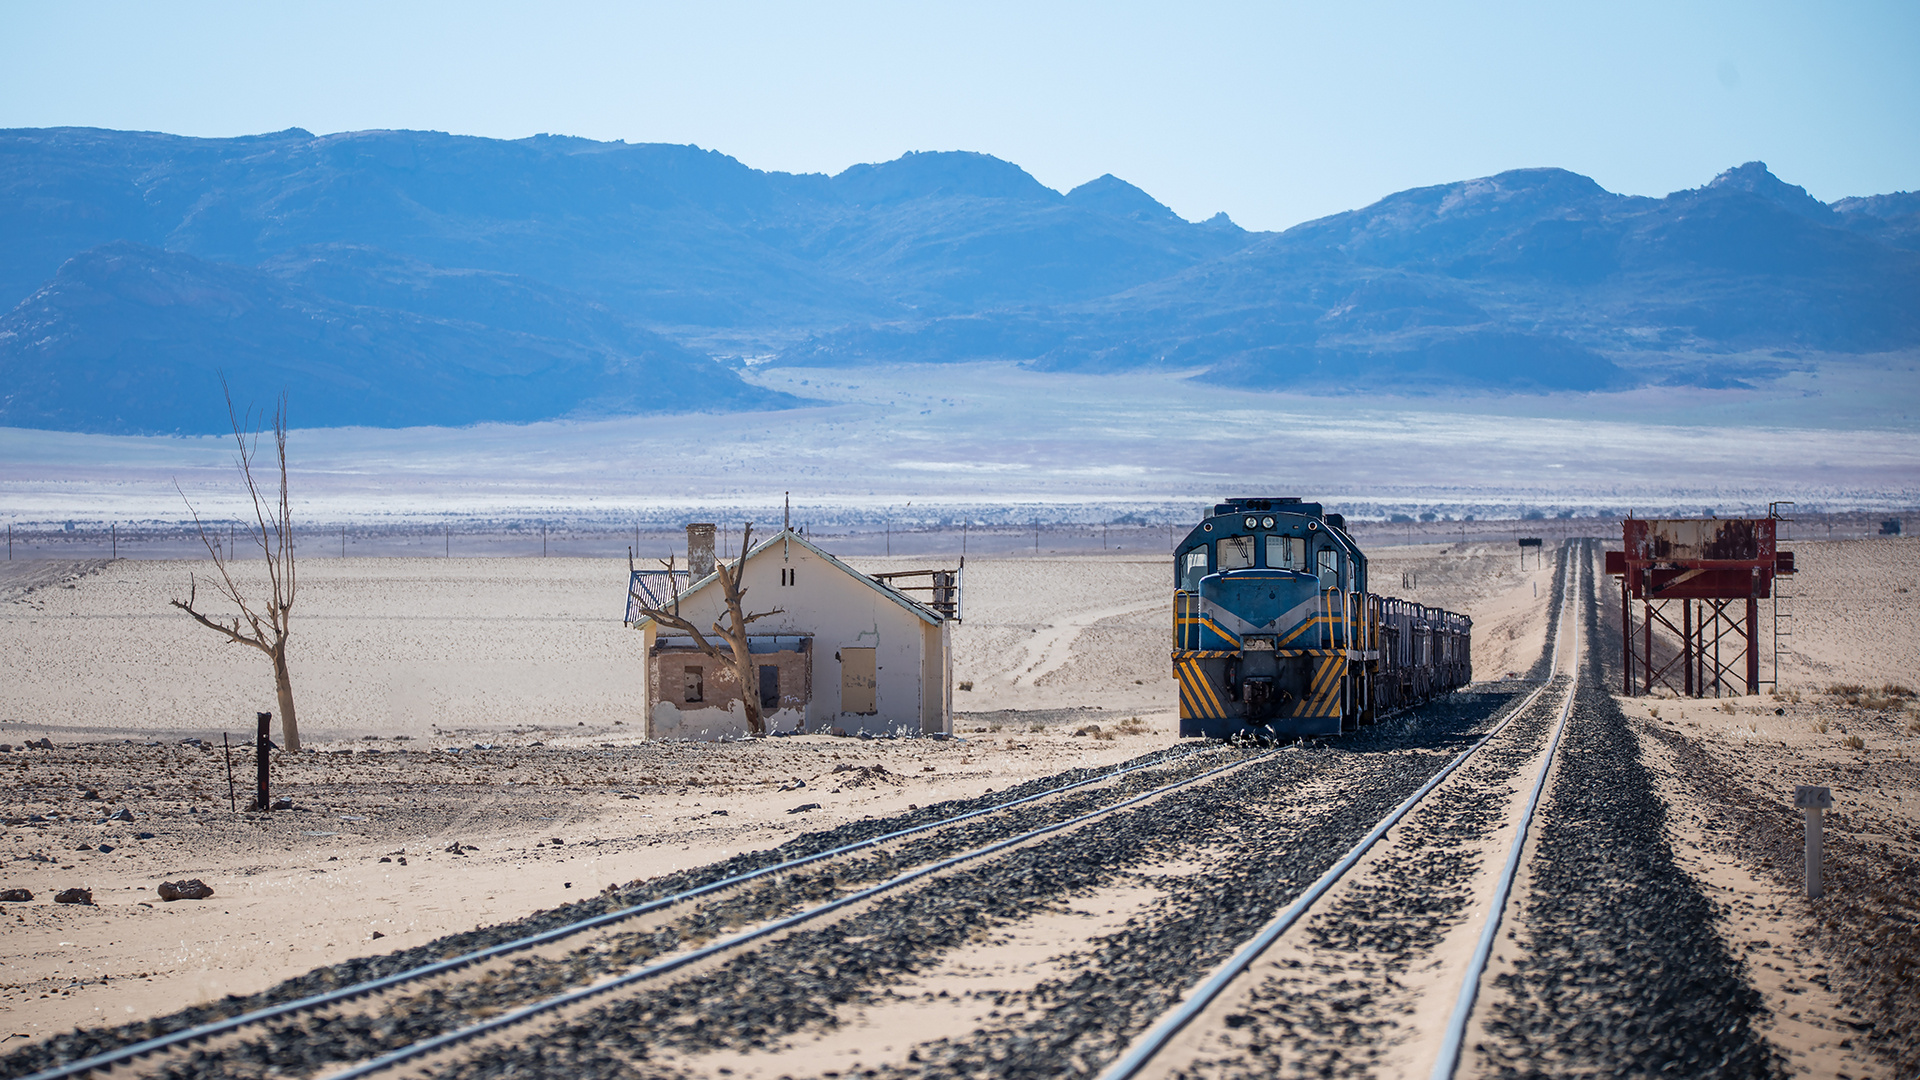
1235,552
1329,568
1193,567
1286,553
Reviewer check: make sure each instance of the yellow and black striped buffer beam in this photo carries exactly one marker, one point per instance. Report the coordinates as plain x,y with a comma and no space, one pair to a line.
1323,692
1199,699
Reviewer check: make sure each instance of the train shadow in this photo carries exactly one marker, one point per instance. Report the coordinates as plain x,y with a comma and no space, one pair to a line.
1444,724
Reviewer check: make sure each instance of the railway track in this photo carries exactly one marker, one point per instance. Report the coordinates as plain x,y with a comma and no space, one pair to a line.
200,1033
744,968
1210,1031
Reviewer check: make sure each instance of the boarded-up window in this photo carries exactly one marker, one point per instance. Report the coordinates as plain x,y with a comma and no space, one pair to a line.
695,686
858,684
769,686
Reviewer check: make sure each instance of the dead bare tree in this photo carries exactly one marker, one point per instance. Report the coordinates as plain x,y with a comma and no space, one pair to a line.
262,626
733,635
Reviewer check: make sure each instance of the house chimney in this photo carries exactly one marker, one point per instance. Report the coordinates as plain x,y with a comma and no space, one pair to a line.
700,549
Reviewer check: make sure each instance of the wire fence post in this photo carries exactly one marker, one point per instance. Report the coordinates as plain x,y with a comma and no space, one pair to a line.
233,799
261,741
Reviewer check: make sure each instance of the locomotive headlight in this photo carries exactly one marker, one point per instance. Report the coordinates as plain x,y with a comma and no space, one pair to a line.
1252,522
1266,523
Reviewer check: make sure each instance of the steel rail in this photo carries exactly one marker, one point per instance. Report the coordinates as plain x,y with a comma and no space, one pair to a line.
132,1051
527,1012
1450,1047
1143,1049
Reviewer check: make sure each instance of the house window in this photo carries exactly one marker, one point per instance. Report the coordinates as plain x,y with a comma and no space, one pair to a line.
696,685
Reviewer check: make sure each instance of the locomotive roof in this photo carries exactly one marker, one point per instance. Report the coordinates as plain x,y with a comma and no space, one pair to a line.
1286,504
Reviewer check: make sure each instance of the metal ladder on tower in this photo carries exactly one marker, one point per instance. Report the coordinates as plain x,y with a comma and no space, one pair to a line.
1782,598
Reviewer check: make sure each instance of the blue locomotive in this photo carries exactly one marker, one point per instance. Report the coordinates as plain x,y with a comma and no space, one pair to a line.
1275,632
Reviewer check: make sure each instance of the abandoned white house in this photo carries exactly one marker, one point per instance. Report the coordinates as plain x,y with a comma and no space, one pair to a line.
848,651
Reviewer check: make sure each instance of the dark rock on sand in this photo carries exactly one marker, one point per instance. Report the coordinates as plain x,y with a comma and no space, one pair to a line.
190,889
73,896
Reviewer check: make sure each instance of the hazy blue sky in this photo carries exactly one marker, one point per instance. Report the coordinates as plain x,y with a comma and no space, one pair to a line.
1274,112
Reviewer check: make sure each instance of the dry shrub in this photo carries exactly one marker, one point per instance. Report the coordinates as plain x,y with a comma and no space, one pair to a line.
1855,742
1093,731
1820,726
1728,708
1132,725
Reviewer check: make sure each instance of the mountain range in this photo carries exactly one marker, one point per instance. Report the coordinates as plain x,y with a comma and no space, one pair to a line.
395,278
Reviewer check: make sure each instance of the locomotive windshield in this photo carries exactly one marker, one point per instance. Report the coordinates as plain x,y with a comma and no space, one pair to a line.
1286,553
1236,552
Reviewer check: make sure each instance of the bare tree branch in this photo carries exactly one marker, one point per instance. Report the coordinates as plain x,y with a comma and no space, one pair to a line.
273,532
737,653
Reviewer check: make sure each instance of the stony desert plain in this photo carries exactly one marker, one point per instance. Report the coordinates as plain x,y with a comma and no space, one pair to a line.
475,755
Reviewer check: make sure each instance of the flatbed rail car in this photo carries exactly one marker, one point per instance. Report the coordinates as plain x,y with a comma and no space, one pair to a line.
1276,634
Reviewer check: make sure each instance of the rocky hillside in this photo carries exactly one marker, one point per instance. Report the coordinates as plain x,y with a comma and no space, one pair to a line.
397,277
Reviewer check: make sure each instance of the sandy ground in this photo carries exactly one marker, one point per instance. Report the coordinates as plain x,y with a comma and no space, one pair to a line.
1854,613
1835,972
400,661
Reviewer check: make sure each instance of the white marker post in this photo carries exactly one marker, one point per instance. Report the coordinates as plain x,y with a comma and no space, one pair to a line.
1813,800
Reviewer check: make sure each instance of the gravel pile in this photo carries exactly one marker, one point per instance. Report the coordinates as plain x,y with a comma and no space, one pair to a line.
1624,972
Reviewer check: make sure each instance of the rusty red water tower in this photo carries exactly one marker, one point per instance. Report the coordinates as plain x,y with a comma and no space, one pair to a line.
1716,570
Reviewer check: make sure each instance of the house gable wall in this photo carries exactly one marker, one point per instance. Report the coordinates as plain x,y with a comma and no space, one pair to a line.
839,611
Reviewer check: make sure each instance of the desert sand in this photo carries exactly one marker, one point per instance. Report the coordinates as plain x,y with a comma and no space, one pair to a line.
523,667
